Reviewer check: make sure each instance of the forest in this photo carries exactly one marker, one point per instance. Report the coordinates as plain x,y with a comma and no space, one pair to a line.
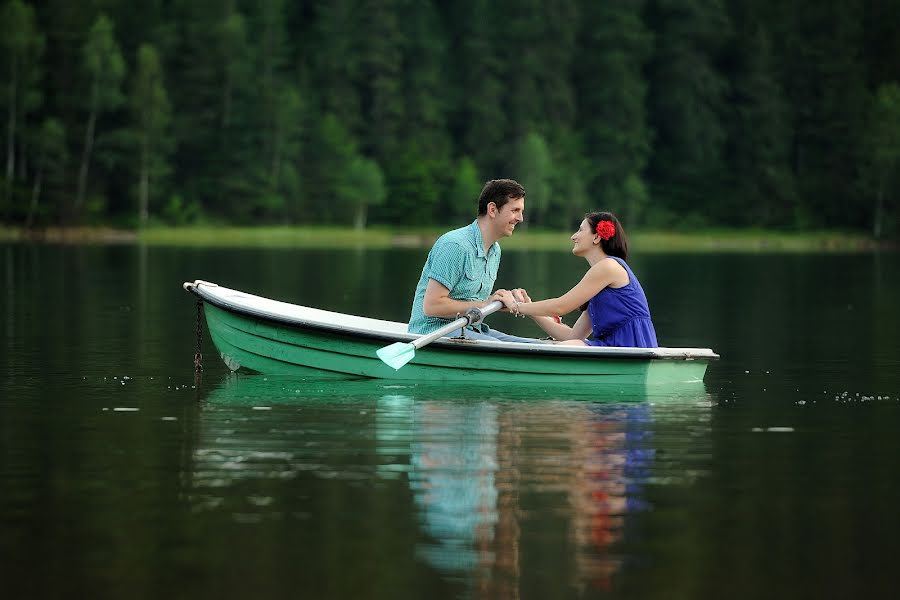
677,114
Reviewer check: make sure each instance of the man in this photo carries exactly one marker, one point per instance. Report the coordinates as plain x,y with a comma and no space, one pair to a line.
462,266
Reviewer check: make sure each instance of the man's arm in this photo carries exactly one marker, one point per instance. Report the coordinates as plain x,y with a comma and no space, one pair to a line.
438,302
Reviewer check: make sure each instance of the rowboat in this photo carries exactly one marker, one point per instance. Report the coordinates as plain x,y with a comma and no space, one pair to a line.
268,336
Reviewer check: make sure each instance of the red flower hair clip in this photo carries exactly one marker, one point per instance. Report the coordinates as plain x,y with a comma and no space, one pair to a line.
606,229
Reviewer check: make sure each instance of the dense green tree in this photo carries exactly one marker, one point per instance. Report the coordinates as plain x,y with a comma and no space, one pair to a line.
152,114
243,161
882,152
49,151
482,118
105,69
613,95
881,42
425,91
414,188
462,199
328,158
421,136
280,106
570,185
820,47
533,168
382,55
287,141
520,53
22,45
233,50
337,61
558,48
759,136
687,106
538,49
362,187
725,112
210,70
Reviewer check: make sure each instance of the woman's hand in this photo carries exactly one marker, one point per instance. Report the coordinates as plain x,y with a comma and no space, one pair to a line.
507,298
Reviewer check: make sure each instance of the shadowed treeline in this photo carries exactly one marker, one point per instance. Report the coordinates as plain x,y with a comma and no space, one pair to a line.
675,113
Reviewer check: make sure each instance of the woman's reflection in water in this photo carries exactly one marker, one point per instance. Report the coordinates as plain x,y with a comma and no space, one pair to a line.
612,458
486,476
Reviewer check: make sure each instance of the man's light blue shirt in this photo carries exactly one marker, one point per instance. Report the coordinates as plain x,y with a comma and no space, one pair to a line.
459,263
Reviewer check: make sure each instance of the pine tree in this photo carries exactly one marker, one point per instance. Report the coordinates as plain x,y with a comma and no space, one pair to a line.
481,119
820,49
362,187
383,105
273,56
328,158
337,61
49,149
463,195
613,93
22,45
760,133
104,68
882,153
209,68
152,114
687,106
284,179
533,168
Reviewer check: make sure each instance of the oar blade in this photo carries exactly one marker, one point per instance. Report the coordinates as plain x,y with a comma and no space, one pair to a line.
396,355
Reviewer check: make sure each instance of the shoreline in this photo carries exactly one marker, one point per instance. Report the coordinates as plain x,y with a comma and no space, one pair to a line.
713,240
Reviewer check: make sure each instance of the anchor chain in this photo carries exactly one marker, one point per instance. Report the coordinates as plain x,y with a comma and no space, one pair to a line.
198,355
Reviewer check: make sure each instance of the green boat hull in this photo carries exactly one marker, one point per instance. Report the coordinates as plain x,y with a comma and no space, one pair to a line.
265,346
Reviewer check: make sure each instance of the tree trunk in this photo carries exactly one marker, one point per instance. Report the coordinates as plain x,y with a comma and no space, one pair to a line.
85,162
144,185
35,195
276,160
879,208
359,219
11,134
226,101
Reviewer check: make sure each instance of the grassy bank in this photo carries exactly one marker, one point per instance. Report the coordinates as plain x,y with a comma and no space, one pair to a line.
713,240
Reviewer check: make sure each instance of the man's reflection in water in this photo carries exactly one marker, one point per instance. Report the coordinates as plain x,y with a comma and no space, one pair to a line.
453,461
471,465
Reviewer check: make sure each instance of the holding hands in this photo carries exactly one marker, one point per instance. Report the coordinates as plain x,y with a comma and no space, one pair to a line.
513,299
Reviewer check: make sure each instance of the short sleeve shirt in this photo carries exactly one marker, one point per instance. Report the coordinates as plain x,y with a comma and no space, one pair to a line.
459,263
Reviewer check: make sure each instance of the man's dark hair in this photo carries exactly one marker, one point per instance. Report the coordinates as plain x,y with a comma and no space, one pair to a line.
499,191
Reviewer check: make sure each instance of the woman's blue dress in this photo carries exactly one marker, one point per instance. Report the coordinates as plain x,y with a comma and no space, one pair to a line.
621,316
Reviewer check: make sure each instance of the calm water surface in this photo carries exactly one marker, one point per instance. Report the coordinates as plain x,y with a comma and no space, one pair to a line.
777,478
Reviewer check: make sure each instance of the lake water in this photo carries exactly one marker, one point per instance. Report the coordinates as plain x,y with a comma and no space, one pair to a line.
779,478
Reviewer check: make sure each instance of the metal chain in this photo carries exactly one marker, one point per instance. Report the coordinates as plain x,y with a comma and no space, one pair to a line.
198,356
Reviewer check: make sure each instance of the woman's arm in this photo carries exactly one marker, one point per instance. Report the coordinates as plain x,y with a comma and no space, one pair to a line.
602,274
561,332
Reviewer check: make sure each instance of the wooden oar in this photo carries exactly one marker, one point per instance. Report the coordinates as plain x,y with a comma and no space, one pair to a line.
399,353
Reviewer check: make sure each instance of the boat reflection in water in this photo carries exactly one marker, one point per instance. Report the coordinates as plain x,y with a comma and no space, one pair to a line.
505,483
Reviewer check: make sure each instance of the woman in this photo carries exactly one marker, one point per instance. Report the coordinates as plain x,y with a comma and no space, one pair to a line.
615,307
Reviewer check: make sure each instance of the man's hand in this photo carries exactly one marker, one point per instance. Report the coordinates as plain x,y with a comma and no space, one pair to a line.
521,295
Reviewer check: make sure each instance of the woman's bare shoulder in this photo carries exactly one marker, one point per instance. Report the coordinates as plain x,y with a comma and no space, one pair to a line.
612,271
